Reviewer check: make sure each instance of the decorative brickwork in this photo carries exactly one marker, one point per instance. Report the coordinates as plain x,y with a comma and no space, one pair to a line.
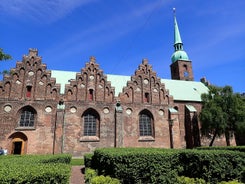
145,87
29,85
36,119
90,85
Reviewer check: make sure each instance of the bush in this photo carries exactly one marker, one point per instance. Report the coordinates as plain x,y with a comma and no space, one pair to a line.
187,180
88,160
35,169
104,180
230,182
137,165
212,165
92,178
228,148
89,174
151,165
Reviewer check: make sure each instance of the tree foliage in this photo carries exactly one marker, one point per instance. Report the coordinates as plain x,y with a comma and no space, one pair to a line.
223,111
4,56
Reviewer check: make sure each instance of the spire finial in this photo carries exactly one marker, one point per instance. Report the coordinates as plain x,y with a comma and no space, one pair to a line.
177,38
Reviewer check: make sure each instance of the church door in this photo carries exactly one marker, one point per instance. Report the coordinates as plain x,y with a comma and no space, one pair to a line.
18,143
17,147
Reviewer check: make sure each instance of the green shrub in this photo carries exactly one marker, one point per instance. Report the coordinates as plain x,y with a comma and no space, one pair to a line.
230,148
151,165
58,158
88,160
137,165
104,180
230,182
35,169
187,180
89,174
92,178
212,165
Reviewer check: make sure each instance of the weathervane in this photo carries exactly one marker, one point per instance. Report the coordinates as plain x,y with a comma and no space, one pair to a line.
174,11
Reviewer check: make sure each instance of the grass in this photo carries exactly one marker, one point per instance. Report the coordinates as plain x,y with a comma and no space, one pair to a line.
77,161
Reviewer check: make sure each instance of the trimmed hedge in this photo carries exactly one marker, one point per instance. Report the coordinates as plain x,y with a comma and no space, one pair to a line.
88,159
91,177
140,165
35,169
231,148
212,165
144,165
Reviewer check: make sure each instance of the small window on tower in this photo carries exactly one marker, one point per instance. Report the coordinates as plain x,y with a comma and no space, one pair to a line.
186,74
185,66
28,91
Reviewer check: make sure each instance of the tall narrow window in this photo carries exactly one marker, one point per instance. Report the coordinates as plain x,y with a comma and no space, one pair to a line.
147,98
28,91
145,124
27,117
90,125
91,94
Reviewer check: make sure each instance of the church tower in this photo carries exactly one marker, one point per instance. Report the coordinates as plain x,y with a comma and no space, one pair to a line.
181,67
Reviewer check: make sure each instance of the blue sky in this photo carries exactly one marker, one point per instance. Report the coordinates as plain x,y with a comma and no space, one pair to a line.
120,33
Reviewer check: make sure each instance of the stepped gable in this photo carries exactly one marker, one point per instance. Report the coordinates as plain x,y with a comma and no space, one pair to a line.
30,80
90,85
145,87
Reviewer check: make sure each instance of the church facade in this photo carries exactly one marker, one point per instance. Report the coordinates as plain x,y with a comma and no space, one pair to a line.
47,111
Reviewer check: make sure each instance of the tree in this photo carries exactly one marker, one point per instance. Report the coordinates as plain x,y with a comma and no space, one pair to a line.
4,56
221,113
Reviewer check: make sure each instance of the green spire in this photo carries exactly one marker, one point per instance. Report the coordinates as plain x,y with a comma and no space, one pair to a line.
179,53
177,38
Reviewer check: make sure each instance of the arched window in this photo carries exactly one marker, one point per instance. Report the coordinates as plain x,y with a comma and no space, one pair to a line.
91,123
27,117
146,123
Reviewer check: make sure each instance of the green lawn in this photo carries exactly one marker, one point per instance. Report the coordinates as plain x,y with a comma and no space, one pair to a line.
77,161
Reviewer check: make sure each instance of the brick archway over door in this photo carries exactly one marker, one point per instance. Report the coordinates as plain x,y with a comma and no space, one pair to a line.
18,143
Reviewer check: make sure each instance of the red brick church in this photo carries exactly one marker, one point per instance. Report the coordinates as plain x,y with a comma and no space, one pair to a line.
49,111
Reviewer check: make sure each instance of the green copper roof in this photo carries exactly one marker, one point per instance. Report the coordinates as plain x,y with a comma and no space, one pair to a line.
180,90
179,53
177,38
185,90
62,78
118,81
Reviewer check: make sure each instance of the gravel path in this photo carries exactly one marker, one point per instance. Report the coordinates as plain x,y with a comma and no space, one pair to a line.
77,175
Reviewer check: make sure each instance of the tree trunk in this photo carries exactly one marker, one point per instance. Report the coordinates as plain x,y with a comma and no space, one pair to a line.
212,141
227,137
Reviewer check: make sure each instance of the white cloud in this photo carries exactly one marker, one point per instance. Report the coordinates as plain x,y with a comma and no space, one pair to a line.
116,26
40,10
